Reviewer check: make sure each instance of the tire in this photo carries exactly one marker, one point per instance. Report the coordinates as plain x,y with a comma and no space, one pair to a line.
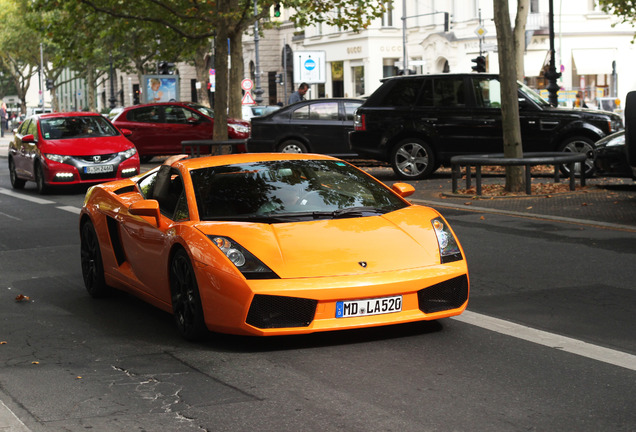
579,144
92,264
40,183
413,159
16,183
292,146
186,302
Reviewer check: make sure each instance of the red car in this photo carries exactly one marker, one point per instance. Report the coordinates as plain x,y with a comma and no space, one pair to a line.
158,129
70,148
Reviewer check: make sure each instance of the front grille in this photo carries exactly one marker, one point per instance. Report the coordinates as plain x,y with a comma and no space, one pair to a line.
269,311
446,295
102,158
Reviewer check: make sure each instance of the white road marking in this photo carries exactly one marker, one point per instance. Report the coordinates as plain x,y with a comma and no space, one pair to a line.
75,210
25,197
9,421
551,340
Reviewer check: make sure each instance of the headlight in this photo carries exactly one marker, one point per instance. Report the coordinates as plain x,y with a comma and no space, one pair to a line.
56,157
128,153
448,247
239,128
248,264
616,141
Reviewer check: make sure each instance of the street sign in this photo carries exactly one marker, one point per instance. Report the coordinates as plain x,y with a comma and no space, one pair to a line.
247,84
481,31
248,99
310,67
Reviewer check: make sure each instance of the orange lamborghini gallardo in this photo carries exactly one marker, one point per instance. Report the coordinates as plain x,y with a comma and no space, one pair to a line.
271,244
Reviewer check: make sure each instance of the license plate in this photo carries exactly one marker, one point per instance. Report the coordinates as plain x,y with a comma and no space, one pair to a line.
98,169
376,306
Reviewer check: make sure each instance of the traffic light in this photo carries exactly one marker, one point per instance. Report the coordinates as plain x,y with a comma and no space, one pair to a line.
446,22
277,10
165,67
480,64
50,85
279,79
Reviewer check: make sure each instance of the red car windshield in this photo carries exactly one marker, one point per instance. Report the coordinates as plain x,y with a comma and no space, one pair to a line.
76,127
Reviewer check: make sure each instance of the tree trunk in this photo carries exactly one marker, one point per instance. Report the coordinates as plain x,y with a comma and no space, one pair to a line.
221,92
509,100
519,36
236,74
202,66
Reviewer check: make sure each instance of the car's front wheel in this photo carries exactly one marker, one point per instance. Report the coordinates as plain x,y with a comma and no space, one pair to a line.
412,159
292,146
186,302
40,182
16,183
579,144
91,260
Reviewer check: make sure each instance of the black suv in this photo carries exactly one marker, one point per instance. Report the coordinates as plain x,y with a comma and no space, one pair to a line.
418,122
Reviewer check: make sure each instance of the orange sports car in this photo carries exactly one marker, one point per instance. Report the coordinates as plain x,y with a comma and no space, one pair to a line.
271,244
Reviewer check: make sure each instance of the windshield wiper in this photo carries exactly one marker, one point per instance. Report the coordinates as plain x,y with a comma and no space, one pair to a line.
350,212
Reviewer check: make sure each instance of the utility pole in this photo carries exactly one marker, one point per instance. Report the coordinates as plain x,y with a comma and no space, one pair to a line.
258,91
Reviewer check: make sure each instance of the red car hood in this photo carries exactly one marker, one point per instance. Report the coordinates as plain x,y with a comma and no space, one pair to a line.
86,146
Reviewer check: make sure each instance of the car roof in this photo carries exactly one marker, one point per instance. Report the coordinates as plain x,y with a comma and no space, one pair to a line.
67,114
441,75
210,161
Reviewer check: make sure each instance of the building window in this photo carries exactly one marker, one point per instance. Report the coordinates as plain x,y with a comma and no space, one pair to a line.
387,17
357,73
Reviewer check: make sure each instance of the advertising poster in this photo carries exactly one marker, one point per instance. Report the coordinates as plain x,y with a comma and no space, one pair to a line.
161,88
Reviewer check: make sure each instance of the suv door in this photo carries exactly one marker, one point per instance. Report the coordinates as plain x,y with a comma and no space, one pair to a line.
321,124
487,123
443,111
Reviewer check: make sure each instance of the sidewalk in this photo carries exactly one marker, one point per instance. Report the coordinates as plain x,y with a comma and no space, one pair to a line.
607,201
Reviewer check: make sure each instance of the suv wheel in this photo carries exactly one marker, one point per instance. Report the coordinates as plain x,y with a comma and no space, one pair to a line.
292,146
579,144
412,159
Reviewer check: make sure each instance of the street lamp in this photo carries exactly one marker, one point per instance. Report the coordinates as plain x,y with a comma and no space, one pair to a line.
552,75
258,91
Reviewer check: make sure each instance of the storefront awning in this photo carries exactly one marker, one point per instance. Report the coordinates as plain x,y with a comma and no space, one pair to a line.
594,61
533,62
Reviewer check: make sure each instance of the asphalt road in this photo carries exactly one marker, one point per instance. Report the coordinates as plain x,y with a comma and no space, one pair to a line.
547,343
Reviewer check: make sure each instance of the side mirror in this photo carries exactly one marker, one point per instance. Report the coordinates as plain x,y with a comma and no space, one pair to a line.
28,138
403,189
126,132
193,120
147,208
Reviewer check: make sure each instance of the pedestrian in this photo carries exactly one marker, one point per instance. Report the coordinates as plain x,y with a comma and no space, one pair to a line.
3,118
579,102
299,94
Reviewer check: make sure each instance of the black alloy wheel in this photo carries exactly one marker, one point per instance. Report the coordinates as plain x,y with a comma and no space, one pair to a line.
92,265
16,183
292,146
186,302
412,159
579,144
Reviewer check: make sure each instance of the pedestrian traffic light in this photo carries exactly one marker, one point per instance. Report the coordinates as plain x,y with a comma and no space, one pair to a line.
480,64
50,84
277,10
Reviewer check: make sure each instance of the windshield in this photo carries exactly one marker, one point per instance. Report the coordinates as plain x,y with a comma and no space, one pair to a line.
281,191
532,95
76,127
203,109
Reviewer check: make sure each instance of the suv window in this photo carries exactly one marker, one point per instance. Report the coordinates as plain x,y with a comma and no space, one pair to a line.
403,93
448,92
487,93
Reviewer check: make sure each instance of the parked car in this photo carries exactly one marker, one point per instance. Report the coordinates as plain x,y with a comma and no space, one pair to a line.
70,148
159,128
418,122
271,244
315,126
610,156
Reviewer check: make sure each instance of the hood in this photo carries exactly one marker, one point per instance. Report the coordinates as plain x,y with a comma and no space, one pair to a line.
399,240
86,146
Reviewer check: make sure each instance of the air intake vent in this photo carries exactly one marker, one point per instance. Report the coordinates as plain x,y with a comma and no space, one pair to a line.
269,311
447,295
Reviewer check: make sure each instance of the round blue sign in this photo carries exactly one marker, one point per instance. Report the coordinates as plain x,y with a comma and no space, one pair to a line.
310,64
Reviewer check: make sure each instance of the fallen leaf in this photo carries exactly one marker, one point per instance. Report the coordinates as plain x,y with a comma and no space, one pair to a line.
482,218
3,342
528,208
35,362
468,203
22,297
